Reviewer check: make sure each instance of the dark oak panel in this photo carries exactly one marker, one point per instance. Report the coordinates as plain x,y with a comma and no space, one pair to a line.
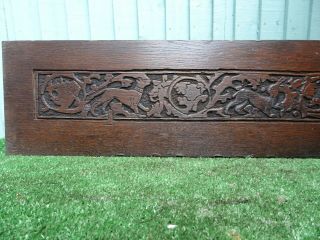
177,98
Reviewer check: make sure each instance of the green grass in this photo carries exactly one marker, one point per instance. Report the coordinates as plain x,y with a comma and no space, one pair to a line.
138,197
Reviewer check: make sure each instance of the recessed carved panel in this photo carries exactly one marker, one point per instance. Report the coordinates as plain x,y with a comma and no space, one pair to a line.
178,95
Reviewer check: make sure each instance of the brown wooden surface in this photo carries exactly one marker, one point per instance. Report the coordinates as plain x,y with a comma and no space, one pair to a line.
177,98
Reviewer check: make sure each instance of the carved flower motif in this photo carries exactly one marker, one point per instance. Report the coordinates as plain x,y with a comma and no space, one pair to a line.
190,94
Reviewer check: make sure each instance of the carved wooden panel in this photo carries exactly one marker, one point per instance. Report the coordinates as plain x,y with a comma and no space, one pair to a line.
178,95
163,98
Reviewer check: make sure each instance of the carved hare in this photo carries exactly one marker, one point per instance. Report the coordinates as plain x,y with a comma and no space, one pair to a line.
245,96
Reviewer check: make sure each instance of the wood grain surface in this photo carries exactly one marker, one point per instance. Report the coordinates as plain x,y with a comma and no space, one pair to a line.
163,98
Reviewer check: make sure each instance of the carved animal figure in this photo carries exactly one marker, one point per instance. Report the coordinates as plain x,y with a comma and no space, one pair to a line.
312,91
245,96
129,97
158,95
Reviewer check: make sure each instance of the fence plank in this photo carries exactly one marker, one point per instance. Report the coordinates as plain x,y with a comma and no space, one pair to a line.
101,19
315,21
3,36
272,19
23,19
3,25
53,19
151,19
297,22
78,19
7,9
177,20
223,19
201,19
125,19
247,19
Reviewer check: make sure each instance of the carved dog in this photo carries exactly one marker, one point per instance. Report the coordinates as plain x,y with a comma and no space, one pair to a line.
129,97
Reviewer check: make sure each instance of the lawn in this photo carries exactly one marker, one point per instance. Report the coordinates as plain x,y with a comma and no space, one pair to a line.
158,198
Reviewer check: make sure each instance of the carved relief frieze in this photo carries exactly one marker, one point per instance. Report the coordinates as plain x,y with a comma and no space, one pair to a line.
178,95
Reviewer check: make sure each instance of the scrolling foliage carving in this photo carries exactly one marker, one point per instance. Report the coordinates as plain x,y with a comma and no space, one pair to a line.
178,95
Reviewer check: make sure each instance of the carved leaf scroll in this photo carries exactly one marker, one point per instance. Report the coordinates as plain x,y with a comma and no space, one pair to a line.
160,95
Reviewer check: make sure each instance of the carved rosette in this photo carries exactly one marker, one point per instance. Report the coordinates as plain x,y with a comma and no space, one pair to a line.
178,95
